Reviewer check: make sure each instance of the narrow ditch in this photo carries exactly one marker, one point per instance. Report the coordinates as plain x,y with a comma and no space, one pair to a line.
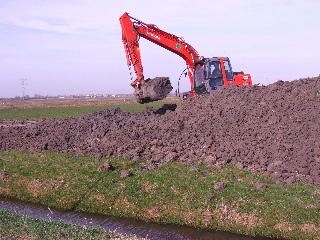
120,225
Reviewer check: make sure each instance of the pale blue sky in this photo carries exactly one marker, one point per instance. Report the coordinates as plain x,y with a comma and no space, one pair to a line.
75,47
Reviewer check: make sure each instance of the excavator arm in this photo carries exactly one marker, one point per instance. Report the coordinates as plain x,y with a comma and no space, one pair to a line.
130,39
133,28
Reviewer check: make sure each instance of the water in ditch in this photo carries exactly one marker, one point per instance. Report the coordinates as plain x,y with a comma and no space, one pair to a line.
120,225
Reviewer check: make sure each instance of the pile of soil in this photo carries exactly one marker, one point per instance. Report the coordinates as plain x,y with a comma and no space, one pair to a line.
274,130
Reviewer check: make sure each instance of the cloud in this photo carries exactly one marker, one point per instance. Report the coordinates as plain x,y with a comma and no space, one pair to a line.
56,16
44,24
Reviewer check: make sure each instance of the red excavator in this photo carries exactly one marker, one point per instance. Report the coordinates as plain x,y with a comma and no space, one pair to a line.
205,74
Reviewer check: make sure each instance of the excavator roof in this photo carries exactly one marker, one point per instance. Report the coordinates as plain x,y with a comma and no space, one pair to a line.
217,58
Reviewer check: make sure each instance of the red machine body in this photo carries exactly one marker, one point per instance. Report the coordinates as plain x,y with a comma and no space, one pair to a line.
199,69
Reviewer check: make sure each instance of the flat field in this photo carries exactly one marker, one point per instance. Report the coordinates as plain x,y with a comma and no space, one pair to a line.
72,102
63,108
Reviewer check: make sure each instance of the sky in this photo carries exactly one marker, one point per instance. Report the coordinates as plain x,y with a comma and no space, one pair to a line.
68,47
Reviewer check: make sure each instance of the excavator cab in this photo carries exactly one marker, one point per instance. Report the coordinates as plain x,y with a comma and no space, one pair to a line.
219,73
213,73
208,76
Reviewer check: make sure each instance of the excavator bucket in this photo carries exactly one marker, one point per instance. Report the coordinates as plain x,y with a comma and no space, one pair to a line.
153,90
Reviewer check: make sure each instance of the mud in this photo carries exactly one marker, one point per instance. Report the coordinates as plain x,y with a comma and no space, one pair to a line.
273,130
154,89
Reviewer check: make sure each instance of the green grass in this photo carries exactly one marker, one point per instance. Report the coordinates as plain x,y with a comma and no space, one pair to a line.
14,226
169,194
64,112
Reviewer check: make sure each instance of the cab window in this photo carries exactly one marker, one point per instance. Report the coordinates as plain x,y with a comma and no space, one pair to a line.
228,70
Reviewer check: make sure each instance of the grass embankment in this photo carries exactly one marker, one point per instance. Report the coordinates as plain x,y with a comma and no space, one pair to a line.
15,226
169,194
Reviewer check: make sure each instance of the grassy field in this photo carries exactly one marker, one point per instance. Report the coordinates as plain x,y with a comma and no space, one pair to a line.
169,194
63,112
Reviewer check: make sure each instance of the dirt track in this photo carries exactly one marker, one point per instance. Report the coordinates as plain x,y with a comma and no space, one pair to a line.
274,130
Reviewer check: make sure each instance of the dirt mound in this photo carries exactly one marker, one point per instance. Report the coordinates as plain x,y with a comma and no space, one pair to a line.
270,129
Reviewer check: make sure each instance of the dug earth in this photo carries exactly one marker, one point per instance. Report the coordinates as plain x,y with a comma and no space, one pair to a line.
273,130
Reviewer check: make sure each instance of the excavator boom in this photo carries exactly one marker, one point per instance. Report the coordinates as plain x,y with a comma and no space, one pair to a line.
133,28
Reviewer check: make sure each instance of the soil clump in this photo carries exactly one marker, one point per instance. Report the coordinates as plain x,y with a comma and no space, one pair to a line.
154,89
273,130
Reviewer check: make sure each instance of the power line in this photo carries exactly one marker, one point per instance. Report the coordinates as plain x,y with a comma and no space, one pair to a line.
24,84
